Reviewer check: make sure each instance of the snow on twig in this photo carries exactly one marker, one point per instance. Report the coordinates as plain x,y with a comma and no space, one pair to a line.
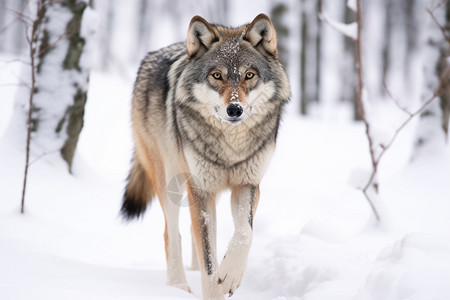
349,30
352,5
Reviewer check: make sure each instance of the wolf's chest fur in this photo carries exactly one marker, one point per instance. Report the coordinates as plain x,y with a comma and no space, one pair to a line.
220,153
222,143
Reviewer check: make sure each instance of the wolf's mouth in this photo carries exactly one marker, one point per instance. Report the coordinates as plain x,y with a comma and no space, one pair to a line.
234,121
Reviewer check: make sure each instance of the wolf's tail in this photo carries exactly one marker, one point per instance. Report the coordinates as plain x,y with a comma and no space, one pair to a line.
138,193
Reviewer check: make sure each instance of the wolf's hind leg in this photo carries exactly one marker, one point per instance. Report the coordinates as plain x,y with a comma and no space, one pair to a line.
194,264
244,201
172,239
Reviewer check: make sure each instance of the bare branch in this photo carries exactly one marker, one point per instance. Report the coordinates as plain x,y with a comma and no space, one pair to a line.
362,112
20,15
14,84
440,89
437,93
442,29
7,62
372,206
395,100
31,48
436,5
21,82
4,28
42,155
65,34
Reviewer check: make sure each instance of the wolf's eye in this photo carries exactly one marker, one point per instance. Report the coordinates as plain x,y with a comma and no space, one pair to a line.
249,75
217,76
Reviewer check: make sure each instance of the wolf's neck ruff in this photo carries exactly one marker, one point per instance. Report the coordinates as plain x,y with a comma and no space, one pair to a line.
224,144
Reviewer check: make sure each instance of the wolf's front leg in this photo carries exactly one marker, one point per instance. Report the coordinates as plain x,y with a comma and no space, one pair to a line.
244,201
203,215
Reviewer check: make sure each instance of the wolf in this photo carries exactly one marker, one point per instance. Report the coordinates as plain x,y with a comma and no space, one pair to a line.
209,109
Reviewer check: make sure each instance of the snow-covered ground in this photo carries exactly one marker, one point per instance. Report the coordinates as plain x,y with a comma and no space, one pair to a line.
313,238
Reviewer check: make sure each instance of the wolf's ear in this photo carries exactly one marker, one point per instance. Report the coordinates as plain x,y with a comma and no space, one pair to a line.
262,32
200,35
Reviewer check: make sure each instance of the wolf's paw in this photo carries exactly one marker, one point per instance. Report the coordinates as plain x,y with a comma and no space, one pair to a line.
183,286
231,272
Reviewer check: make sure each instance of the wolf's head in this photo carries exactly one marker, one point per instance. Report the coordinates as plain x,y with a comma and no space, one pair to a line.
234,72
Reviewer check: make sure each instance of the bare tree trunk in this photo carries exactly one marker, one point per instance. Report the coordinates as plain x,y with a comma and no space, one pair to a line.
144,29
278,14
2,22
445,54
350,80
303,70
318,50
309,62
412,10
106,10
433,123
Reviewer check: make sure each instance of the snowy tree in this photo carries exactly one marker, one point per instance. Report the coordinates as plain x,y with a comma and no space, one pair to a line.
433,124
53,107
60,76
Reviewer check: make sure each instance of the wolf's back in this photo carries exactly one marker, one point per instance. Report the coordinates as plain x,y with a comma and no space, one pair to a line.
152,82
149,118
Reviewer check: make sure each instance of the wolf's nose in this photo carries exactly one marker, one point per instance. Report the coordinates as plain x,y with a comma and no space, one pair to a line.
234,110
